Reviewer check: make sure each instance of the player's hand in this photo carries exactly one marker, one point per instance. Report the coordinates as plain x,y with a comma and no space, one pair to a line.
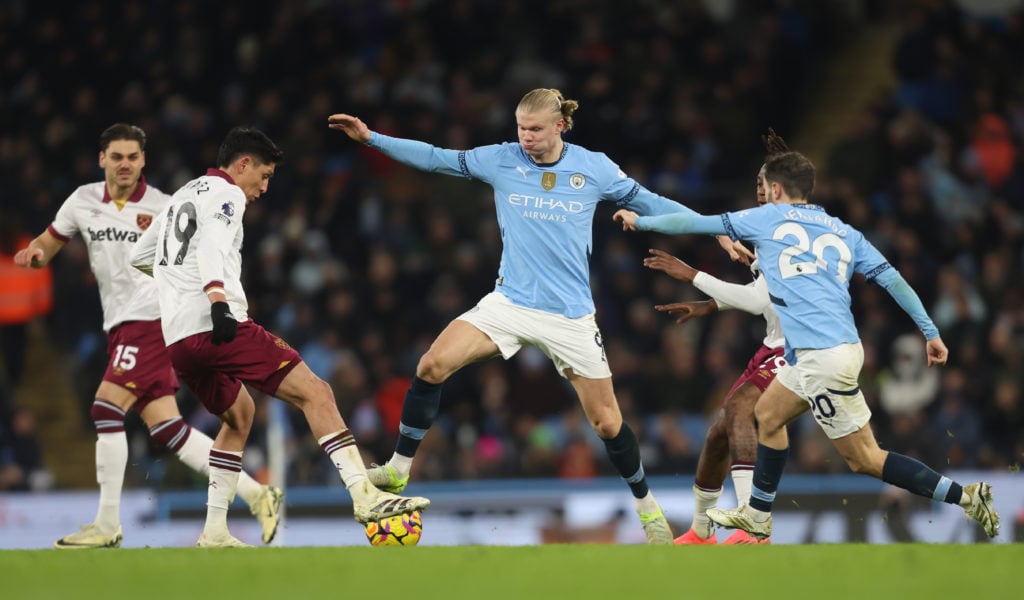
937,352
225,326
670,265
735,249
627,218
688,310
352,126
29,257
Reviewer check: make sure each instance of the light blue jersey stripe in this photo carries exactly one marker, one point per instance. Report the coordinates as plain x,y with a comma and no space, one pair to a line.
636,477
942,489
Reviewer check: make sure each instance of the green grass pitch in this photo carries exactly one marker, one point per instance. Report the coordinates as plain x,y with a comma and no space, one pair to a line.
865,572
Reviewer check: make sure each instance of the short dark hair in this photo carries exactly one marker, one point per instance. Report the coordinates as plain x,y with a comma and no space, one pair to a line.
248,141
122,131
793,171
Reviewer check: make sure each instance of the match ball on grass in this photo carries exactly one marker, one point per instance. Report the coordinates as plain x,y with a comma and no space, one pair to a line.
400,530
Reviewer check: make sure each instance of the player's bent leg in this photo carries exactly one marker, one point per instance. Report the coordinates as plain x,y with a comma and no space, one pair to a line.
192,447
461,343
597,397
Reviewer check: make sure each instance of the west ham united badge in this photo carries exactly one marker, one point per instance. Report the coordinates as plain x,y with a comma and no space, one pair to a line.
143,221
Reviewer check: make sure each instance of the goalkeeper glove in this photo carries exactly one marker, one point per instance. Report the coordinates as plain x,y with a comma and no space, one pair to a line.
225,327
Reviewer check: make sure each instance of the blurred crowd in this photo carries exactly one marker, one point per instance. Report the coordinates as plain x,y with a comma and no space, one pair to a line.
360,262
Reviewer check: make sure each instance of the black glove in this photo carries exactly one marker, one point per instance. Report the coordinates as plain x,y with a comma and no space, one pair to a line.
225,327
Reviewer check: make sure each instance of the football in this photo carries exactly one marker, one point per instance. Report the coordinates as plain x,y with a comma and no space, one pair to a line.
399,530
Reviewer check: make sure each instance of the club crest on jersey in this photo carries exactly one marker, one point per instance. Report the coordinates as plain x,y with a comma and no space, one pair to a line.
547,180
577,181
228,208
143,221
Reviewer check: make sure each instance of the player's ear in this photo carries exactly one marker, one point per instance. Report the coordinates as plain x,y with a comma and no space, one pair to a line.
99,161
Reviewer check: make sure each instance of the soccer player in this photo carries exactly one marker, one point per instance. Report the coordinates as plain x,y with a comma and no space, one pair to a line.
111,215
545,192
808,258
193,252
731,441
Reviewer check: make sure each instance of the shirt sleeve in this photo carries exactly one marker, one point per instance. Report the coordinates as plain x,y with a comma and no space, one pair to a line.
65,226
218,222
749,298
143,253
472,164
683,222
893,282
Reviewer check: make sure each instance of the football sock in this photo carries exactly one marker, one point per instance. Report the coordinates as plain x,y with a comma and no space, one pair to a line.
647,505
767,474
742,480
914,476
401,464
703,499
624,452
193,449
419,410
111,460
224,469
344,453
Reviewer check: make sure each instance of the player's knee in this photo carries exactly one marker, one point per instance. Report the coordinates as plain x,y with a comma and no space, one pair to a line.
766,419
606,426
431,370
867,464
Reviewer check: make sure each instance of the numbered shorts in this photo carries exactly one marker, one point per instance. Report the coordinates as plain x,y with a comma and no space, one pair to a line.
827,380
216,373
761,369
570,343
138,361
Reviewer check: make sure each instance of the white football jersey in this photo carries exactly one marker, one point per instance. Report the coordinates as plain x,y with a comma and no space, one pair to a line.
193,246
109,234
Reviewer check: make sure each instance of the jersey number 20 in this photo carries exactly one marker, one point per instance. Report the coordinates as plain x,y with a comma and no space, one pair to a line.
790,267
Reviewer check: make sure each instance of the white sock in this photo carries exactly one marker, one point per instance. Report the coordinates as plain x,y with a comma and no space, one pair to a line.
743,481
195,453
349,463
401,464
647,505
223,483
702,501
111,459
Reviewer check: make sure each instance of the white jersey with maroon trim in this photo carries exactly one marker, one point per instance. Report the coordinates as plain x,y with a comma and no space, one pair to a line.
109,233
194,246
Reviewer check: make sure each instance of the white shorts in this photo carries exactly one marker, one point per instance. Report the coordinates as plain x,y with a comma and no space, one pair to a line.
827,380
570,343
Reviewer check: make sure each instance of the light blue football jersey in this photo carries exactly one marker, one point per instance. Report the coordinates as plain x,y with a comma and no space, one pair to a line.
807,257
545,212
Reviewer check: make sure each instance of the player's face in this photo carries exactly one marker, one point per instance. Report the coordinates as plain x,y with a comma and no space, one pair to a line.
122,163
762,185
540,134
252,177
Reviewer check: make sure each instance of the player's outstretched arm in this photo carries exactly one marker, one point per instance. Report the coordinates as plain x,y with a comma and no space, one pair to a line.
39,251
937,352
